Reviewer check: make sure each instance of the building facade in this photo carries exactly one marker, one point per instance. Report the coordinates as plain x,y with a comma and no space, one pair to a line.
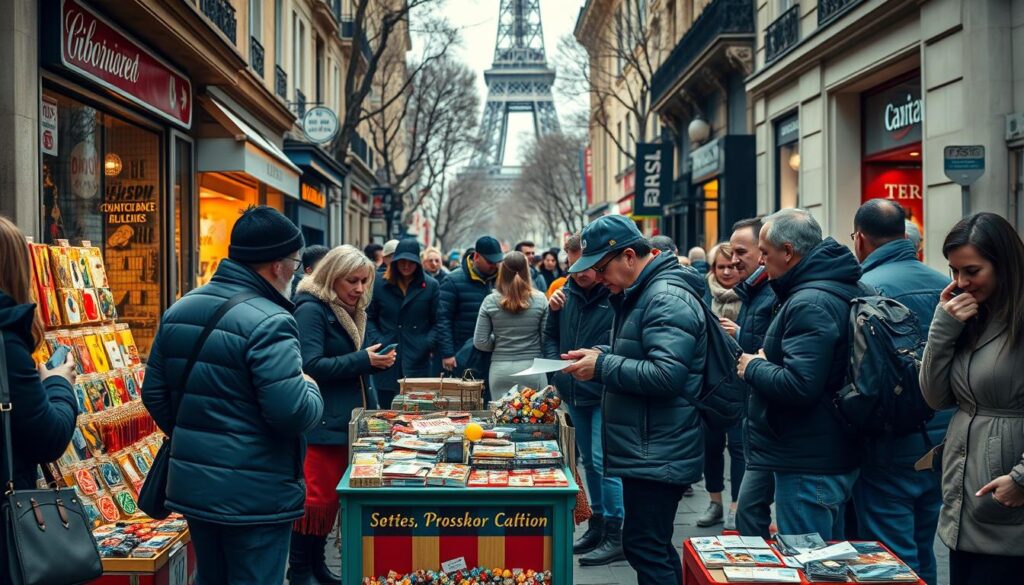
857,99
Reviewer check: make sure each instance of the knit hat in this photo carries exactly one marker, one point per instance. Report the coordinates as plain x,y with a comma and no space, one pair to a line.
262,234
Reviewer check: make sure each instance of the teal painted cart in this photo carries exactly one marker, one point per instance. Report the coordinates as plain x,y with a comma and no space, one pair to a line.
410,529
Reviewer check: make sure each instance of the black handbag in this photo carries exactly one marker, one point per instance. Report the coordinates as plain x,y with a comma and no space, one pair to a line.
49,541
153,495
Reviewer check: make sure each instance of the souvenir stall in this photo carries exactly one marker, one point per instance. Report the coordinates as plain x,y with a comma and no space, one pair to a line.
461,497
115,439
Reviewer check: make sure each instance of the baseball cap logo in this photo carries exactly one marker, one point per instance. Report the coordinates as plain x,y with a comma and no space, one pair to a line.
583,244
611,242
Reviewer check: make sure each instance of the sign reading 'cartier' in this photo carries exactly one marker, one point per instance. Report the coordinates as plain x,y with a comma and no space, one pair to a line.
95,48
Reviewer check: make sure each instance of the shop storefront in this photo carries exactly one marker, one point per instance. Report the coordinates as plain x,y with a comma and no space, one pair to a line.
893,117
238,167
787,162
116,165
321,182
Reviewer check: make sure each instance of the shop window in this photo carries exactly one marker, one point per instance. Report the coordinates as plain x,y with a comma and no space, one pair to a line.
103,185
182,174
787,163
222,199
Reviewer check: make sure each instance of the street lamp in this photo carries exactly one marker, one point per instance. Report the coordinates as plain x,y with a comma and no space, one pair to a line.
698,130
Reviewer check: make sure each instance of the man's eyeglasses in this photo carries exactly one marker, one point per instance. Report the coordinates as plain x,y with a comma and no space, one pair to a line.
297,261
607,262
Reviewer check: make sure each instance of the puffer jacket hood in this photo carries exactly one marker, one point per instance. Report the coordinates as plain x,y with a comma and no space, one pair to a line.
17,319
830,266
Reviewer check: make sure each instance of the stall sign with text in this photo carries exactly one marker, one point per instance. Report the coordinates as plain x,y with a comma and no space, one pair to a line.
406,539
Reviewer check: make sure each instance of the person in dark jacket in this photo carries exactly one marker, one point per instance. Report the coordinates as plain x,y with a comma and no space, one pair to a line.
757,490
579,315
43,406
529,249
459,306
331,311
791,420
310,257
433,264
235,468
550,271
896,504
403,311
699,260
652,372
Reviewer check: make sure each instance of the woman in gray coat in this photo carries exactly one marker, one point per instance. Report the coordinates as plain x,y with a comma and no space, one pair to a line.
975,361
511,326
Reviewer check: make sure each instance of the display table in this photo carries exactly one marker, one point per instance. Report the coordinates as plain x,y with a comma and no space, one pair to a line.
695,573
405,530
174,567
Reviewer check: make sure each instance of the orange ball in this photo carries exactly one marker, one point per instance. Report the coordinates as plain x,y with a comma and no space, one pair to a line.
474,432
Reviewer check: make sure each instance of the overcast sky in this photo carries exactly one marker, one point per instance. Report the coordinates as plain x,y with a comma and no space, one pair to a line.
478,20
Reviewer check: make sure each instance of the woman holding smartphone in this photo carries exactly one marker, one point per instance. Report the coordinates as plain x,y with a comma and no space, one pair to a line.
43,406
402,315
974,361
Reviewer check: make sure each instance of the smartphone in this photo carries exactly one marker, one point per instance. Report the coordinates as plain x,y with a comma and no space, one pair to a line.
60,355
388,349
957,291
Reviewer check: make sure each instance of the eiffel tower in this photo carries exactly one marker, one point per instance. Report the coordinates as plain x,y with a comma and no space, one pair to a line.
519,80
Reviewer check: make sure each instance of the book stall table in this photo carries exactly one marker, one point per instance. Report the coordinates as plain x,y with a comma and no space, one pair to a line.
115,438
695,572
433,496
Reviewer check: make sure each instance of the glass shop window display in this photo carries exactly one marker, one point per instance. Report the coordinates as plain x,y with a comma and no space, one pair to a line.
103,185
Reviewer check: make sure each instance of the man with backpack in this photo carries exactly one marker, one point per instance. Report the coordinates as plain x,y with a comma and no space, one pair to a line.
792,425
896,504
653,374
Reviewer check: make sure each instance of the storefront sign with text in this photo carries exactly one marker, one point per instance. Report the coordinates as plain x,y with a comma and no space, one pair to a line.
48,125
901,184
95,48
311,194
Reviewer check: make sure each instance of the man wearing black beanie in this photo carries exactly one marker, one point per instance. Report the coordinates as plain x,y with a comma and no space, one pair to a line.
237,417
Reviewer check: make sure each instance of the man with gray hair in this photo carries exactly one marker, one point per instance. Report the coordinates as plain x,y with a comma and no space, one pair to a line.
699,260
792,428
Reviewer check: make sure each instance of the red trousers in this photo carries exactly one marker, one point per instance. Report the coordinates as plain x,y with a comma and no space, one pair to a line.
324,466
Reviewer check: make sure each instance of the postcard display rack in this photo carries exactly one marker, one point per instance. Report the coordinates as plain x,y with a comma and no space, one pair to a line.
481,497
804,559
115,439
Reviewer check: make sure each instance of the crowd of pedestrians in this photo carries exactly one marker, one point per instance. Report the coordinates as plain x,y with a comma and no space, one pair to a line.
301,336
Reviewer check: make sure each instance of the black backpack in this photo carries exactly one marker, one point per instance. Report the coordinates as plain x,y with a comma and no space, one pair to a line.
723,393
882,395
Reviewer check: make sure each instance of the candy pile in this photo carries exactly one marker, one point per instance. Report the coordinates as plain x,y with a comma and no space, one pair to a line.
528,406
477,576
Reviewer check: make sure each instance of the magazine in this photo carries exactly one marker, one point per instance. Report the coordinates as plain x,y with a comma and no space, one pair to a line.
761,575
795,544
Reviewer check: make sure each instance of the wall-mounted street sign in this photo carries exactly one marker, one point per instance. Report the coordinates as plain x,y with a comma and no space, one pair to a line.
320,124
964,165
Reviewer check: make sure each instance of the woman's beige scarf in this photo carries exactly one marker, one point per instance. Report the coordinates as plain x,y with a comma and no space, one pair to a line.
724,301
353,324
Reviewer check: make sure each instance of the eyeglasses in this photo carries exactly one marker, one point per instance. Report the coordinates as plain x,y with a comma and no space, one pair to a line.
297,261
607,263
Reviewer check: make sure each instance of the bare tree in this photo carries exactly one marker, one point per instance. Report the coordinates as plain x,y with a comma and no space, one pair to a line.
615,71
433,128
464,212
551,182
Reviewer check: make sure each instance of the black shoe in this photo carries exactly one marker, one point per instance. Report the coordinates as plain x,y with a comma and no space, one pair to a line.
318,562
592,537
300,571
610,549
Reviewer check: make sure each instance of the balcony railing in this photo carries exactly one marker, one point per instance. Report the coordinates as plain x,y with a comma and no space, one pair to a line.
782,35
829,10
280,82
256,56
359,148
720,17
222,14
348,32
300,102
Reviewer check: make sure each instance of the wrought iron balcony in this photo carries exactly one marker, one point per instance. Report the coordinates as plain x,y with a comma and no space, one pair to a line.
829,10
222,14
719,18
256,56
300,102
348,33
280,82
782,35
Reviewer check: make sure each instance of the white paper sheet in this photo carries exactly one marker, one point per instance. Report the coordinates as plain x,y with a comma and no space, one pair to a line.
542,366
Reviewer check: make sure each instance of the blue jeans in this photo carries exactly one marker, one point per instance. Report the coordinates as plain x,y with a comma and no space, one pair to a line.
714,460
900,508
813,503
605,492
253,554
754,507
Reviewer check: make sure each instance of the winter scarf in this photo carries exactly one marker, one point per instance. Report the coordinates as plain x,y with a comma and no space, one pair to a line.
724,301
353,323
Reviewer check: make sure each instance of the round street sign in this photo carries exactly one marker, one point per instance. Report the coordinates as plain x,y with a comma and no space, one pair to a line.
320,124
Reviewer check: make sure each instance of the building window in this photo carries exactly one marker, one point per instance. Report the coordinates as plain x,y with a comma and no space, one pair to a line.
298,53
787,162
256,19
337,89
278,32
619,42
618,137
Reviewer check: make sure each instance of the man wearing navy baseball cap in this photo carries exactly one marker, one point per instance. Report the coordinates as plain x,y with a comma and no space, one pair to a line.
651,372
462,292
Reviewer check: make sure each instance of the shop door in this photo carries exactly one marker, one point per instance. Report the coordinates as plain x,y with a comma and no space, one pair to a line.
183,212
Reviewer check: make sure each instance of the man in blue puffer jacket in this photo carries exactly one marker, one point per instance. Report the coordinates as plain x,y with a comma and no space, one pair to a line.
652,374
459,305
236,437
895,504
791,424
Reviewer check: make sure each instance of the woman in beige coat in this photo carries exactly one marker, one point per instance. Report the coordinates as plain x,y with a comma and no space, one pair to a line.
975,361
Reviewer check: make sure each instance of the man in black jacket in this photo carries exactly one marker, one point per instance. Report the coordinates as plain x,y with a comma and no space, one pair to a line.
652,373
236,423
579,315
792,426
